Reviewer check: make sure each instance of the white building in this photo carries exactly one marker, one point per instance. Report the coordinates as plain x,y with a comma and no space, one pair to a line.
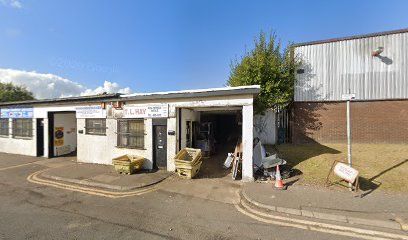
153,125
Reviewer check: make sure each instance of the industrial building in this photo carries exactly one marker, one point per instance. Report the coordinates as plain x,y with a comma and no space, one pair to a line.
372,67
153,125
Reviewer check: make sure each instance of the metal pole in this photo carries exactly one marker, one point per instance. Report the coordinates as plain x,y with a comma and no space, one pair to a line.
348,134
349,139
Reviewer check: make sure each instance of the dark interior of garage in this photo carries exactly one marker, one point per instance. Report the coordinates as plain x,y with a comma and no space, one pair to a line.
220,131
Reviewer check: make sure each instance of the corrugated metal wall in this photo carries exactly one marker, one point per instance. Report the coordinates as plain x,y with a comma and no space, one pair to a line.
331,69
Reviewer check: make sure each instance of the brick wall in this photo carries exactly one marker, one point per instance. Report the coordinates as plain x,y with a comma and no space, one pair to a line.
372,122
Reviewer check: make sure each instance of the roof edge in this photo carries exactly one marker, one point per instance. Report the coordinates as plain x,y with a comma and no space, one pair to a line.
61,100
193,91
210,92
330,40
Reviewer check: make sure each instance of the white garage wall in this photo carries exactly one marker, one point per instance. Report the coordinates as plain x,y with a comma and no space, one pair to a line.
24,146
265,127
102,149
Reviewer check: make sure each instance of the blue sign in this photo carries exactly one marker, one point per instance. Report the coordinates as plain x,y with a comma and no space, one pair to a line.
16,113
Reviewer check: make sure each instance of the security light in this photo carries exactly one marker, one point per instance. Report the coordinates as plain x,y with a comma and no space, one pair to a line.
377,51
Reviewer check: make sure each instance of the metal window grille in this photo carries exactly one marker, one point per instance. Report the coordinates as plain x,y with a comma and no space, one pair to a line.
4,126
95,126
23,127
131,133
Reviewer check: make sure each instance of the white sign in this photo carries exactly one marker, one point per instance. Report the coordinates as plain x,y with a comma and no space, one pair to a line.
346,172
348,96
16,113
146,111
90,112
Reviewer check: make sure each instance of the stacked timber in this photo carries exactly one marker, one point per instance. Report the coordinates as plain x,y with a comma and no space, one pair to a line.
188,162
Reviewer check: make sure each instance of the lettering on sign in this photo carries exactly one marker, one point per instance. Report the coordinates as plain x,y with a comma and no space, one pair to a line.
346,172
90,112
16,113
146,111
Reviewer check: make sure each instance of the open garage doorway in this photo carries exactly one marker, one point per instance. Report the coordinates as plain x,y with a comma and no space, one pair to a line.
216,132
62,132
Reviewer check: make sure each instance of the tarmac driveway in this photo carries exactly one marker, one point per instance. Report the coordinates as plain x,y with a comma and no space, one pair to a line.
11,160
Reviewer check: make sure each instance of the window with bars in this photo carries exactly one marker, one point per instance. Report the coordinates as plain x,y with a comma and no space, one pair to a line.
4,126
95,126
23,127
131,133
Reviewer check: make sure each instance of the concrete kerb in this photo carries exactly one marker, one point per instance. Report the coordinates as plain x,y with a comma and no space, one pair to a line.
324,216
102,185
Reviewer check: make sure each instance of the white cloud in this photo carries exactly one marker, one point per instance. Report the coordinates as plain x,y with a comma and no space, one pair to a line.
109,87
52,86
12,3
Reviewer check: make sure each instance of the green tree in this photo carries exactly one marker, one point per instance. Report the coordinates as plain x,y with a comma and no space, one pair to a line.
269,66
10,93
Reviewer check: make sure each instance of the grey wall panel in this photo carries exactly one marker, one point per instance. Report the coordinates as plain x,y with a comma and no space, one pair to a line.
334,68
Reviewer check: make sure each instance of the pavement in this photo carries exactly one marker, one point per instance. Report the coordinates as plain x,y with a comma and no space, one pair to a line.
103,176
33,207
377,209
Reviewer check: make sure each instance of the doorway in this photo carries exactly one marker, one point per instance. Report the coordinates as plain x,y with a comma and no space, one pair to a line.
62,140
40,137
218,134
160,143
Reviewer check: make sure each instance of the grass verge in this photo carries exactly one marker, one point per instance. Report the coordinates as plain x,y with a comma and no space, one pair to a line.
381,166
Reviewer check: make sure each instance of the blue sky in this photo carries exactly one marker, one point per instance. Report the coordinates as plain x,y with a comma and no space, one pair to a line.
168,45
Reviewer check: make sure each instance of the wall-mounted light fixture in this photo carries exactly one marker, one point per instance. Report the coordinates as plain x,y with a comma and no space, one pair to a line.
377,51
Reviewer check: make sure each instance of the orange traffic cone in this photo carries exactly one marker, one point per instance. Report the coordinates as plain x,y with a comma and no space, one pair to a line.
279,183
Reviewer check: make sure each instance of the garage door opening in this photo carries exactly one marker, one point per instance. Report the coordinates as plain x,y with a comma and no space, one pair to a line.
216,133
62,134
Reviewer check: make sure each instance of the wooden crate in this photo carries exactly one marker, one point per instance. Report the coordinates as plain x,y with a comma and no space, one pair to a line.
128,164
187,165
190,171
188,156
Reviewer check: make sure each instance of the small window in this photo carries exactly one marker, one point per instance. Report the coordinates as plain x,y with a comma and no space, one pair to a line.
4,126
95,126
131,133
23,127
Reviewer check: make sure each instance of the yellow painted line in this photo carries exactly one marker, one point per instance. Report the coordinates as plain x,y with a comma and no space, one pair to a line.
326,225
305,227
16,166
98,192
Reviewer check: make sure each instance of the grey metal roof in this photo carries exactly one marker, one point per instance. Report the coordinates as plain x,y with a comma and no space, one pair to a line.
91,98
404,30
211,92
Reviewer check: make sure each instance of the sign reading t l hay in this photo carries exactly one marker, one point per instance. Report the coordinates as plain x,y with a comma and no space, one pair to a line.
146,111
90,112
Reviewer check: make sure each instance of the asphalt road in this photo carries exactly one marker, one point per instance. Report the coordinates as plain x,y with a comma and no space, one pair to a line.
30,211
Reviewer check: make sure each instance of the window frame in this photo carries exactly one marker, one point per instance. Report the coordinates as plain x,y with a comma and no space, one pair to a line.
127,134
18,131
4,129
103,126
